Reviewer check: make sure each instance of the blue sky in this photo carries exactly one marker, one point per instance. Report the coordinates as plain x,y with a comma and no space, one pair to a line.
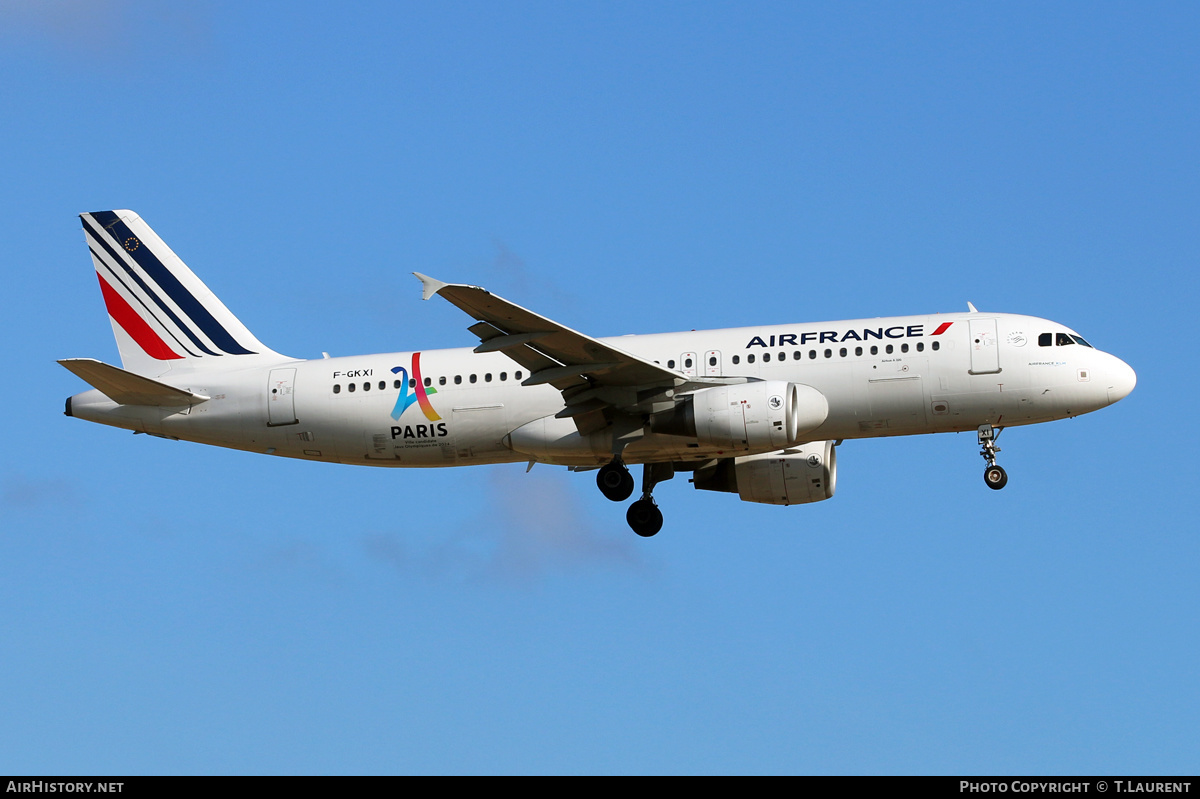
622,168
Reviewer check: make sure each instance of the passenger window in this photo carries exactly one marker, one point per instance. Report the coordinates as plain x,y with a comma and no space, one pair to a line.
395,384
766,357
351,387
889,349
736,360
749,359
383,385
516,375
842,352
337,388
828,353
712,361
487,378
783,356
503,376
874,350
458,380
920,346
428,382
904,347
687,364
412,382
1045,339
1062,340
442,380
937,345
812,355
671,364
472,378
797,355
366,386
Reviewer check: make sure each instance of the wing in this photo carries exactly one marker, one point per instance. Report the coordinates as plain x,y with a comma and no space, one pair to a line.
598,381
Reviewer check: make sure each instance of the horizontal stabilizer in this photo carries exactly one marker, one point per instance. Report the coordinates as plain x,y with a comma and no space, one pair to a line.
127,388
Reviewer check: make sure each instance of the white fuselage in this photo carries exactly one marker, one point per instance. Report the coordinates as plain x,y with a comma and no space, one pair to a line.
881,377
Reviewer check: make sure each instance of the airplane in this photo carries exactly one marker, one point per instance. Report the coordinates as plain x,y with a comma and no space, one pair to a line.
755,411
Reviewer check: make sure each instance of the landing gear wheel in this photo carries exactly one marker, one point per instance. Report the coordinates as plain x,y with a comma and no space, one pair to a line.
995,477
614,481
644,517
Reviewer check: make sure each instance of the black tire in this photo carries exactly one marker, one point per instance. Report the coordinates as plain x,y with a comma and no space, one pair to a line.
644,517
615,482
995,477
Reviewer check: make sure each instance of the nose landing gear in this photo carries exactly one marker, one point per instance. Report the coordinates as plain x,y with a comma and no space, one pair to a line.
993,476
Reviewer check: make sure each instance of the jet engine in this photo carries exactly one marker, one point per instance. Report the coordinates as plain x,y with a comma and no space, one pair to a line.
763,416
807,473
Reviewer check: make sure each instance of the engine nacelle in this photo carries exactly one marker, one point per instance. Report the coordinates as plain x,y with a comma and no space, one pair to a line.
763,416
807,473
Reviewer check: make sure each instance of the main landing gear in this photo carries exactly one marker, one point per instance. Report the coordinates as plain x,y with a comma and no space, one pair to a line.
994,476
616,483
644,516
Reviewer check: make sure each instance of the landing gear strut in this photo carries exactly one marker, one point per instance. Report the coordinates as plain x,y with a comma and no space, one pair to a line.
614,481
644,516
994,476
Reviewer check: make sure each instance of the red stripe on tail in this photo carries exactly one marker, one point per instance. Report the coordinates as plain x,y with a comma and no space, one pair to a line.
134,325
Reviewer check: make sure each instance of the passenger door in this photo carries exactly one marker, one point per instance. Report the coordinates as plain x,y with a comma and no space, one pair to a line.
281,402
985,347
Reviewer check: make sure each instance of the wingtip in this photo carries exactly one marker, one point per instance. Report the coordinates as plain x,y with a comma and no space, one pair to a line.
429,285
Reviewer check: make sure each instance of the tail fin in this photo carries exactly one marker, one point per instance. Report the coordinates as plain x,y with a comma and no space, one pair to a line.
163,316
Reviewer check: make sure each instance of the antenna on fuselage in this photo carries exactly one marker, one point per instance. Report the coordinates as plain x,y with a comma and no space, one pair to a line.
972,308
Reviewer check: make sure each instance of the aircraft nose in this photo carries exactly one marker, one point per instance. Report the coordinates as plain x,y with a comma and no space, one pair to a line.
1121,380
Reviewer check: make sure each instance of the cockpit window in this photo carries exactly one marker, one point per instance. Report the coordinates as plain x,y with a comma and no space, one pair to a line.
1079,340
1045,339
1062,340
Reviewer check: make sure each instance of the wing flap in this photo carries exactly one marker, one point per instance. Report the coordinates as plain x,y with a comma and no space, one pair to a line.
530,358
127,388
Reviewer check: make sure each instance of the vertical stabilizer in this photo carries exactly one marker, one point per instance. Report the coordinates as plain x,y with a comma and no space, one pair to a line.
163,316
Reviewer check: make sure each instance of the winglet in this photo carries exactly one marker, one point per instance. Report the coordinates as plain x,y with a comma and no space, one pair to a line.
429,285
